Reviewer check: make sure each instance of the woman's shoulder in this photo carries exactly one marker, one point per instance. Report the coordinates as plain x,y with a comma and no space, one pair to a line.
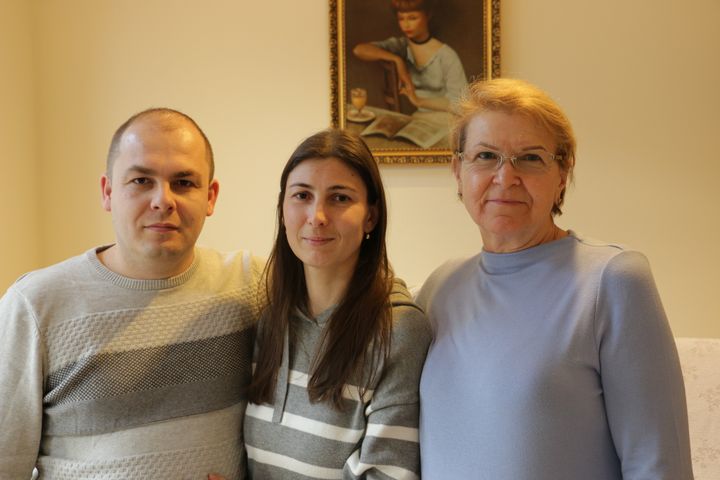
394,44
446,274
607,254
409,320
447,54
612,263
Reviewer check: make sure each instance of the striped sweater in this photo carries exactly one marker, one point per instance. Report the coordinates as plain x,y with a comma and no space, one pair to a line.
374,437
107,377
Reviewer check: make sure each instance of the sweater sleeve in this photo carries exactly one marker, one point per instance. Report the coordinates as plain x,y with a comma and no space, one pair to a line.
390,447
393,45
453,75
640,372
21,387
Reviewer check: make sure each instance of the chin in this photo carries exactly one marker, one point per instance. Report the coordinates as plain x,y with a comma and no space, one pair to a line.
166,251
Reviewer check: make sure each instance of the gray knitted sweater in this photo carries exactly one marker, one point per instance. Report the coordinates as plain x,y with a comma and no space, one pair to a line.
107,377
375,437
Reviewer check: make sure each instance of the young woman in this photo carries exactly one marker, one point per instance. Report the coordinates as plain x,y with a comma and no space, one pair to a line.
340,345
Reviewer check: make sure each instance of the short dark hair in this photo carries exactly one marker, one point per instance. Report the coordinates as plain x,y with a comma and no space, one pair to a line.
162,112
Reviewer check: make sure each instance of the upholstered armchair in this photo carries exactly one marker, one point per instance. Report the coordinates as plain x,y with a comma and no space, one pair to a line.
700,361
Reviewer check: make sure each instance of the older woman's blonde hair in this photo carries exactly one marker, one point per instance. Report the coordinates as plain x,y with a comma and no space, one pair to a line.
517,97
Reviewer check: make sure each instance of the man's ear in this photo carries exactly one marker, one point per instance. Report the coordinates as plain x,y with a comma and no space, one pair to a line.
213,192
106,188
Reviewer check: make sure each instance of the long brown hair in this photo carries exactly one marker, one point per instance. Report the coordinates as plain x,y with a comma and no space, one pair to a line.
357,333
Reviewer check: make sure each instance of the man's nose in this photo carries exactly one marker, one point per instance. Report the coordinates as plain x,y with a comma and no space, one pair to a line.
163,198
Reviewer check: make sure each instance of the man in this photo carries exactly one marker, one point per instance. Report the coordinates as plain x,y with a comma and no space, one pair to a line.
131,360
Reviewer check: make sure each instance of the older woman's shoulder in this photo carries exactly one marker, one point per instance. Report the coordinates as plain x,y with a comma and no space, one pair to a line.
455,266
450,272
612,259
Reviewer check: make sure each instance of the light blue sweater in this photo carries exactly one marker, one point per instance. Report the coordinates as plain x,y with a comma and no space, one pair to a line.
552,363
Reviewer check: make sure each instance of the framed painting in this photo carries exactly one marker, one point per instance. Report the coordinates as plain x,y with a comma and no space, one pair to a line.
398,66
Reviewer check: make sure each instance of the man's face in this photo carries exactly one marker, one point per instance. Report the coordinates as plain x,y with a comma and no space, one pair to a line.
159,196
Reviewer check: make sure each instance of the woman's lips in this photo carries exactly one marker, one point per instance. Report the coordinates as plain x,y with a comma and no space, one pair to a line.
506,202
318,240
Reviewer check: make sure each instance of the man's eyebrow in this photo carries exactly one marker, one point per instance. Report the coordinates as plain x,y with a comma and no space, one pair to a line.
151,171
186,173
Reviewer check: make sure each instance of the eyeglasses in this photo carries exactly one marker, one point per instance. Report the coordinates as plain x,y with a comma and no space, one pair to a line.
489,160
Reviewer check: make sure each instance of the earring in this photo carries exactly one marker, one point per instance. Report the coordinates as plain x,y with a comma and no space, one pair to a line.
367,236
459,195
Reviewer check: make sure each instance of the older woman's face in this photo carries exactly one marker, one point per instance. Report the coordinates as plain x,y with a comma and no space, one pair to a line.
511,207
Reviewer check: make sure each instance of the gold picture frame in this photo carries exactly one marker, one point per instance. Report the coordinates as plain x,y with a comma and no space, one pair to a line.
385,108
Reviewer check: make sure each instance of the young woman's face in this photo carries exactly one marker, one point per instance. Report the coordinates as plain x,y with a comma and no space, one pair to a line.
326,214
414,25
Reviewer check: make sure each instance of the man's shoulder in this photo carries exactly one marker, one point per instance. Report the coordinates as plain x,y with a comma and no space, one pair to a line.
234,259
56,275
243,258
238,267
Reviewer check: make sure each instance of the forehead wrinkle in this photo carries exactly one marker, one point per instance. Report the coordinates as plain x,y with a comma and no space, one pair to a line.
141,169
488,145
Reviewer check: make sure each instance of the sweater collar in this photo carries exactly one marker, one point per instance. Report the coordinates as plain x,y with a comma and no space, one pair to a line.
320,319
135,283
508,263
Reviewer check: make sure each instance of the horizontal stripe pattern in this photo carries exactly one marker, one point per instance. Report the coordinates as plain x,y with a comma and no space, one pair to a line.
388,431
115,374
359,468
151,326
351,392
374,435
108,359
307,425
288,463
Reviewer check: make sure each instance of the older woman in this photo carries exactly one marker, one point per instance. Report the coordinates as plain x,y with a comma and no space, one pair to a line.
552,357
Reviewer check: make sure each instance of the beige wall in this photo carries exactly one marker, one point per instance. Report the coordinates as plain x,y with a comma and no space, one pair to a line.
19,240
639,79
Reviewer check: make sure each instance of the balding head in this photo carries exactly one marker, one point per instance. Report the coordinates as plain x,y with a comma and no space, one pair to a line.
165,119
